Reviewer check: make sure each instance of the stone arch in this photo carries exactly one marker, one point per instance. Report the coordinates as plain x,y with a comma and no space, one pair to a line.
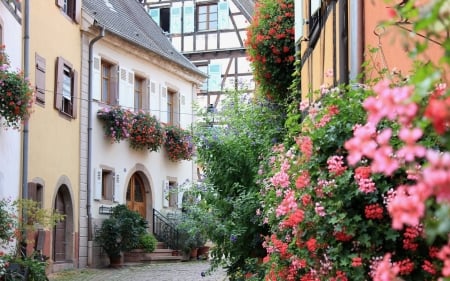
143,173
63,232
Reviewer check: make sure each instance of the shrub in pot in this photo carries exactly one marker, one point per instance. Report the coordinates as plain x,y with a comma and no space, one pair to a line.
120,232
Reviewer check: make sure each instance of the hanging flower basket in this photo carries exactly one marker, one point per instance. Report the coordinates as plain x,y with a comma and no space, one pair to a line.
178,144
16,95
116,122
146,132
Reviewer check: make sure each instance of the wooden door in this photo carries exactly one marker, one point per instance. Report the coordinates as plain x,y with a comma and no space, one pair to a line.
59,232
136,195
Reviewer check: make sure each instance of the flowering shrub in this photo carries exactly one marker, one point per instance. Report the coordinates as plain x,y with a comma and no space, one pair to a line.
116,122
178,143
146,132
362,194
16,94
270,47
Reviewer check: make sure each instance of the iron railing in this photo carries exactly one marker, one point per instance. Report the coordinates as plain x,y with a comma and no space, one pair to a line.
165,231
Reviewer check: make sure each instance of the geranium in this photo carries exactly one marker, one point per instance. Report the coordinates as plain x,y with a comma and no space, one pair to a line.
116,122
16,94
146,132
270,47
178,144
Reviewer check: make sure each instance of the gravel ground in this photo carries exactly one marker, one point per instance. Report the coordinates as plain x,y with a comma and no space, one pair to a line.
180,271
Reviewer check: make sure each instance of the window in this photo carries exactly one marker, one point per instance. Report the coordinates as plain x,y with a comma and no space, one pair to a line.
173,194
107,185
165,19
71,8
40,79
66,92
207,17
109,83
138,93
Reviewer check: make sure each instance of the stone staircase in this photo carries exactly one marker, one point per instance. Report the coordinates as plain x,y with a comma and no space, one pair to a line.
161,255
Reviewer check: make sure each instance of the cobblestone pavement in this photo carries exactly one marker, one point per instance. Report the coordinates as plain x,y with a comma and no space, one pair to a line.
181,271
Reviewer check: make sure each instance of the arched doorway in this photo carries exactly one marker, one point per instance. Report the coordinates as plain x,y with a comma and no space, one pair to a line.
136,195
62,232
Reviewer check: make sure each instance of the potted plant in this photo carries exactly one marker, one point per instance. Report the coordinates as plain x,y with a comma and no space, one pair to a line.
178,144
147,244
16,94
120,232
146,132
116,122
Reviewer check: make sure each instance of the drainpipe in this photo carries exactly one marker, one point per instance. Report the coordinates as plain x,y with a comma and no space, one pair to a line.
343,40
356,39
88,187
26,50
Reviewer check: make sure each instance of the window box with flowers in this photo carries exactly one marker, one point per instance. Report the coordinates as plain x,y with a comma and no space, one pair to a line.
116,122
16,94
146,132
178,144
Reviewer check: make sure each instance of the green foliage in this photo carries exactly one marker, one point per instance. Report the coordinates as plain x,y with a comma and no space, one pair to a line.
229,153
147,242
7,222
271,49
32,264
121,231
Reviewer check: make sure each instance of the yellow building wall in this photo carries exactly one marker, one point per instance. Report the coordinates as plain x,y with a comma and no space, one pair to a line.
317,71
54,138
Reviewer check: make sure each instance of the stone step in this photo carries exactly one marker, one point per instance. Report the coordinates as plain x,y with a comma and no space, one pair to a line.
160,259
162,252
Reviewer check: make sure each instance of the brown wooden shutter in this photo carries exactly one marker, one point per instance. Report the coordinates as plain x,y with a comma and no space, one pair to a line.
40,78
32,191
59,73
114,85
74,94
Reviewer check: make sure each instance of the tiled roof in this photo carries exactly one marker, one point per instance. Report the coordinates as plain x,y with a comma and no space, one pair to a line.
129,20
247,7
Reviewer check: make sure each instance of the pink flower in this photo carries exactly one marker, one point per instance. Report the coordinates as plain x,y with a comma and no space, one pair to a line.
336,165
287,205
385,270
407,207
280,179
410,150
384,161
362,144
302,180
319,209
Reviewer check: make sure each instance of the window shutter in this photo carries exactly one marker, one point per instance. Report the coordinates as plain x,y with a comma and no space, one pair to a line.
96,78
115,187
176,110
183,111
60,3
175,20
163,106
126,89
77,11
114,85
97,184
166,193
154,99
180,199
74,94
188,18
223,15
40,78
32,191
154,13
146,96
59,83
215,77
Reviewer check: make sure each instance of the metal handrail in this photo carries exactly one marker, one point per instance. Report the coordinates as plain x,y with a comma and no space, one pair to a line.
165,231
